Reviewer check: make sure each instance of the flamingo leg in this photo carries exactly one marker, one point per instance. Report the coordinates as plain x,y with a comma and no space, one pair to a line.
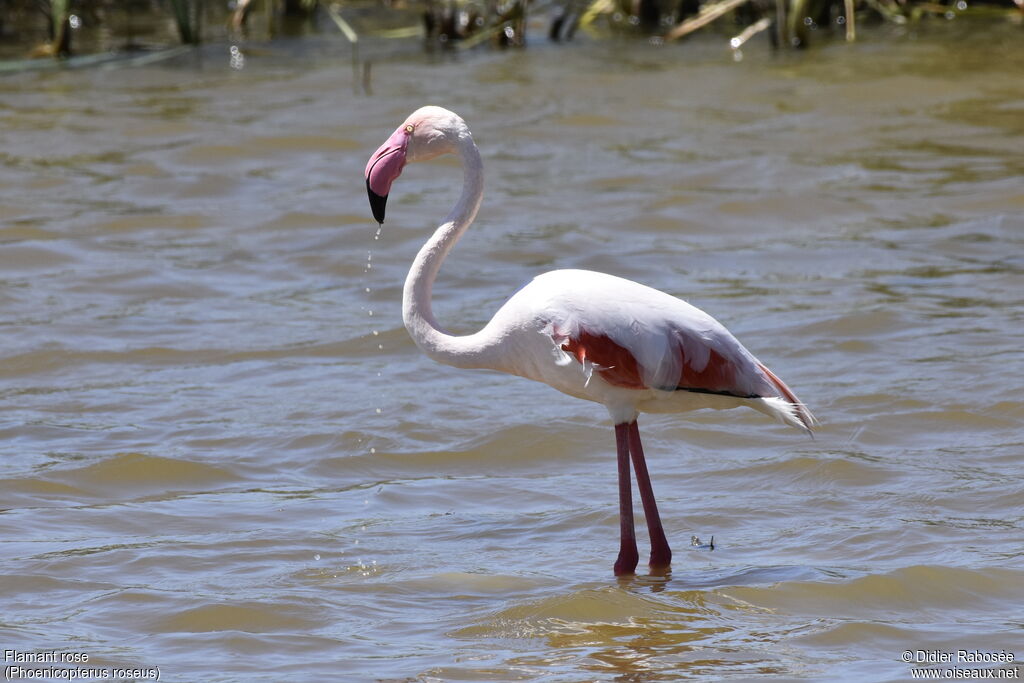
628,555
661,554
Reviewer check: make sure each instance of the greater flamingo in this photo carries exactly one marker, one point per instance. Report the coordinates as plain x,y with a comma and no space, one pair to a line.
590,335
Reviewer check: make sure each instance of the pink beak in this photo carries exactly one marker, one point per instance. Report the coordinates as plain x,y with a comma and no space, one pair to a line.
383,168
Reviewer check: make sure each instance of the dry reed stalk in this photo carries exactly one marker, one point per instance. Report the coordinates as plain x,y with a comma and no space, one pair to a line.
596,8
240,13
707,15
737,41
334,11
781,24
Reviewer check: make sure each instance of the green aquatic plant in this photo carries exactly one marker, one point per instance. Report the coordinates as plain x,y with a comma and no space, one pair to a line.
61,28
188,17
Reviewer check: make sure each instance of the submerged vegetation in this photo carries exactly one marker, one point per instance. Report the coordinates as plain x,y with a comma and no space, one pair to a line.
62,28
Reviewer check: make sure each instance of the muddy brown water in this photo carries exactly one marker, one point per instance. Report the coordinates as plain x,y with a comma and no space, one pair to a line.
223,457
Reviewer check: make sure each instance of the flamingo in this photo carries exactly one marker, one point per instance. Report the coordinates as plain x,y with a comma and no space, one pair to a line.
590,335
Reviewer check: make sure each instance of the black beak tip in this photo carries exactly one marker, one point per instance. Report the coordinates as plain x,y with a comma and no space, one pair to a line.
377,203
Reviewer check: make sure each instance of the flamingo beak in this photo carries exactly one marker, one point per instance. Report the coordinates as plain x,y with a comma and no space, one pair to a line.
383,168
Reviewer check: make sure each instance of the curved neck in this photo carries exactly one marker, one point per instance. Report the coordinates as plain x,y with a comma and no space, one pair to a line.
417,312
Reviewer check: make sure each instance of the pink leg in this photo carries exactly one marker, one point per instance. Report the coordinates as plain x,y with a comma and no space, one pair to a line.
628,555
661,554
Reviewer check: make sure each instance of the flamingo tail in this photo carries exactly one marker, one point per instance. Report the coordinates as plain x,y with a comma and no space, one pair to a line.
788,407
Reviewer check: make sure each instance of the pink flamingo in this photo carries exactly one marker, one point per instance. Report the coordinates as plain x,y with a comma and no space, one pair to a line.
589,335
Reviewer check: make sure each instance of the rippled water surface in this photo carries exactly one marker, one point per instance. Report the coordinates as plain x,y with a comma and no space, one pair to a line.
223,456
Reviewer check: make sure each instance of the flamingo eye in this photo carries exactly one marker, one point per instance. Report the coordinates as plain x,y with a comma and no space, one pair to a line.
409,128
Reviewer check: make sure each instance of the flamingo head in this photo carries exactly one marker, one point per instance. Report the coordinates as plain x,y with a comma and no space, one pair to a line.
427,133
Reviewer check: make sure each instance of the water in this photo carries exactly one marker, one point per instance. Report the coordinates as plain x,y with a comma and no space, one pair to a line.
218,463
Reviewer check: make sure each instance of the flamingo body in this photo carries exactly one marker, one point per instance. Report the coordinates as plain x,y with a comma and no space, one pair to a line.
590,335
627,346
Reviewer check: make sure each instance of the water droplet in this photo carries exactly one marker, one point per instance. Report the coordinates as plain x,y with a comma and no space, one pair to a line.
237,61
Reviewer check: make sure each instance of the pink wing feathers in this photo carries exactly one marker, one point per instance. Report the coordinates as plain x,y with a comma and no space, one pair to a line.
706,371
636,337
